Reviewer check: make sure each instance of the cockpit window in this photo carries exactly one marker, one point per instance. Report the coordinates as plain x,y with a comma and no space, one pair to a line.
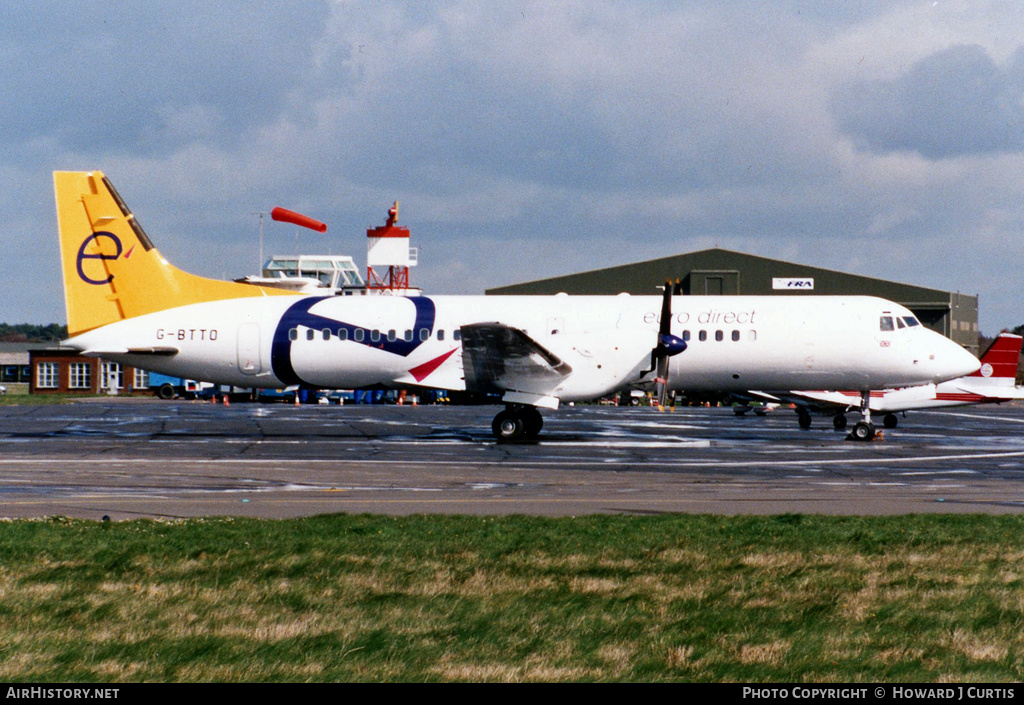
885,323
900,323
911,321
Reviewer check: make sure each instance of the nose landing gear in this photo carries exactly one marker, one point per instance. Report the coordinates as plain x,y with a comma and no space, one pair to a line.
863,430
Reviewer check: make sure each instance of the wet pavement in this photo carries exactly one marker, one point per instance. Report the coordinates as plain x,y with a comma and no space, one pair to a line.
127,458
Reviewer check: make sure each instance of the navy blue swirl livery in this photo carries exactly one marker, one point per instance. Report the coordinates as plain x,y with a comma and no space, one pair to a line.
298,316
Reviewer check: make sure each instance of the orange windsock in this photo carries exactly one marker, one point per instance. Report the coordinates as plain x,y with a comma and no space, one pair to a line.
286,216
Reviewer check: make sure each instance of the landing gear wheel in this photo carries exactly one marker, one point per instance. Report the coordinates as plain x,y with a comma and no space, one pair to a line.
890,421
516,423
839,422
863,431
803,418
533,421
508,426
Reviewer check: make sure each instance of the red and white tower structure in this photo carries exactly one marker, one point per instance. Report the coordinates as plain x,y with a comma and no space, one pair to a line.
389,256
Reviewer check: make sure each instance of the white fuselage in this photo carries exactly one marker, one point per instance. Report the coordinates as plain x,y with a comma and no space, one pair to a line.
734,343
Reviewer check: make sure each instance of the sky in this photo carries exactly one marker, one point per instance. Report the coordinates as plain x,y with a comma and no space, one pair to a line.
527,140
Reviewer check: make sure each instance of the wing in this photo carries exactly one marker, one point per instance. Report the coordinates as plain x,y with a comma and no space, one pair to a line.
500,358
888,400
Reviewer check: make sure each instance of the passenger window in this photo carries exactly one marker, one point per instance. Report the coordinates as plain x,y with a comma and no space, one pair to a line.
735,335
309,334
358,335
326,332
751,335
686,335
392,336
342,334
424,334
702,336
293,334
374,335
408,336
719,336
885,323
457,334
440,334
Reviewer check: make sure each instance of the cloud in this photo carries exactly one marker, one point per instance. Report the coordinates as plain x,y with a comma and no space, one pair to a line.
954,103
116,76
528,139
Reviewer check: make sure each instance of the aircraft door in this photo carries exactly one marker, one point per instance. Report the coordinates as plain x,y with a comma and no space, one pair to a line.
249,361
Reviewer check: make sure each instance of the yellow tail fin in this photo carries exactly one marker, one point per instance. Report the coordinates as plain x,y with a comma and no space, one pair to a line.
111,269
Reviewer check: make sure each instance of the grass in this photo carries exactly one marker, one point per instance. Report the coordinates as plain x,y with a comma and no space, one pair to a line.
14,398
370,598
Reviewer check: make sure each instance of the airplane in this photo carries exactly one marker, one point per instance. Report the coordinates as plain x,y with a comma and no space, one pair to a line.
127,304
993,383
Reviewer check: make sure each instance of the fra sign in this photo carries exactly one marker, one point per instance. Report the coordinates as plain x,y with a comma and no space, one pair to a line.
793,284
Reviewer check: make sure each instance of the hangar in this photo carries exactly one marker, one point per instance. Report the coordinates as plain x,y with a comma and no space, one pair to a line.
723,272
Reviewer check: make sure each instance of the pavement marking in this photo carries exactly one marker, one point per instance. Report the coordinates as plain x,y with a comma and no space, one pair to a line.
708,463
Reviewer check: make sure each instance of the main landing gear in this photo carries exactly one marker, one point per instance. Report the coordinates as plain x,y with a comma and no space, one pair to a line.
863,430
517,423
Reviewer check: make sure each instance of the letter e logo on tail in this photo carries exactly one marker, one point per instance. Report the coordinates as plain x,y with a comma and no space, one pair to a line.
82,256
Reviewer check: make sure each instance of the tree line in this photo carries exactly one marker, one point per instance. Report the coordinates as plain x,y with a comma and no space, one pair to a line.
32,333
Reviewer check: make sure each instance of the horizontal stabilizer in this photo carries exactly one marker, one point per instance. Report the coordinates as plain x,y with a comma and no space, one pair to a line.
499,358
977,387
158,351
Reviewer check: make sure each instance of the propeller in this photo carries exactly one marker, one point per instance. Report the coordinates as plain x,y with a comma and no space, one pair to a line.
668,344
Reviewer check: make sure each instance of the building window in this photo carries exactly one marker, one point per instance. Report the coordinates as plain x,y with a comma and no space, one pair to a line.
80,375
108,370
46,375
141,379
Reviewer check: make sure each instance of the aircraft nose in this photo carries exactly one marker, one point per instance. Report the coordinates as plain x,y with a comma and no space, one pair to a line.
950,361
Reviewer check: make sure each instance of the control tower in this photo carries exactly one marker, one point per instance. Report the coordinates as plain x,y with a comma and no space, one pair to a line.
389,256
